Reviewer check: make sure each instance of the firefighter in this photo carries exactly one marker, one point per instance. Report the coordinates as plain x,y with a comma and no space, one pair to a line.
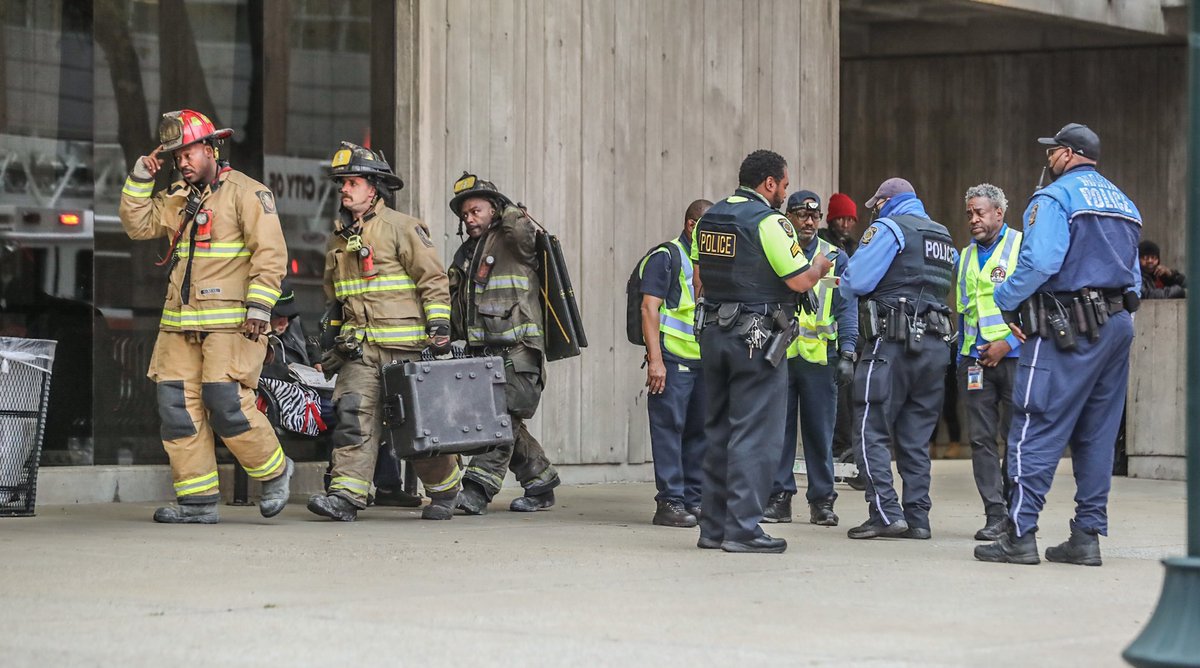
225,264
381,265
498,312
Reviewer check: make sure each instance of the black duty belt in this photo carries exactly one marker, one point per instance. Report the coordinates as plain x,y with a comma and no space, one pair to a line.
1066,316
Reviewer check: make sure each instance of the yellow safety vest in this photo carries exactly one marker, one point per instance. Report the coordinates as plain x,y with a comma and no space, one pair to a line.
976,285
675,324
819,328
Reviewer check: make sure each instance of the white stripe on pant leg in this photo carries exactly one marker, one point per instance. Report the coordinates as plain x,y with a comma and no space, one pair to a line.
862,434
1037,347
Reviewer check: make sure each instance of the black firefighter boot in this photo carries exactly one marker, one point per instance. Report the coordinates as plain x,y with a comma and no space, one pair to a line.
532,502
275,492
1011,549
473,499
1082,548
188,513
334,507
439,508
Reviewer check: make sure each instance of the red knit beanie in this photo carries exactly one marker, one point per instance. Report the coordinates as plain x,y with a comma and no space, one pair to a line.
841,206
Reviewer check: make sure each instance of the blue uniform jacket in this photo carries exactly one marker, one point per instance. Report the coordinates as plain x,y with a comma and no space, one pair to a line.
876,252
1080,232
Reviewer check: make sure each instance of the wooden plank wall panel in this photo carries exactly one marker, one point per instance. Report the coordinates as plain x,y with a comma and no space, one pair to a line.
947,123
607,118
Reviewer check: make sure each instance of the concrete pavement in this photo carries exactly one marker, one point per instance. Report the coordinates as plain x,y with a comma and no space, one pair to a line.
590,582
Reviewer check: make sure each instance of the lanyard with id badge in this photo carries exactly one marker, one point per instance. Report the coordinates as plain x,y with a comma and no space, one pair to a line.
974,377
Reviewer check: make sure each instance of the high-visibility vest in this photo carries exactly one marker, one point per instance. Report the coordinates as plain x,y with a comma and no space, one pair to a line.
819,328
676,324
976,286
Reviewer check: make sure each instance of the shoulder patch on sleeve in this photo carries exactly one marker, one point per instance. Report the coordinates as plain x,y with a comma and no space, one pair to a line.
868,235
423,235
1033,215
267,200
788,229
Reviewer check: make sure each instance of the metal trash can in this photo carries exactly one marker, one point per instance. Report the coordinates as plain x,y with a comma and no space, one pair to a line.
25,369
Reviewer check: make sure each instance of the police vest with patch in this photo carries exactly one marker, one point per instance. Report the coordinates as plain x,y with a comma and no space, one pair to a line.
734,266
976,285
677,312
923,268
817,329
1103,250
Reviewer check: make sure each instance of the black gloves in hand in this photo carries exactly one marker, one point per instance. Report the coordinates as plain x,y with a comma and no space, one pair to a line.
331,361
439,336
845,369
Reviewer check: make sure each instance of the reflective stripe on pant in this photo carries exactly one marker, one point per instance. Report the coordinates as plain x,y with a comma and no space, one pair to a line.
677,434
525,457
1071,397
812,401
743,432
989,415
897,399
207,386
356,438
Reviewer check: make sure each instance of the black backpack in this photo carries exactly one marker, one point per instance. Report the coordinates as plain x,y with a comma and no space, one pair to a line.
633,293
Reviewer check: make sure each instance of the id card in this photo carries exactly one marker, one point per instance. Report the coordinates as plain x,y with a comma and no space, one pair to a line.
974,377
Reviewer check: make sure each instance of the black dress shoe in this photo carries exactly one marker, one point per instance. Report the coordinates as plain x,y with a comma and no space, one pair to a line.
993,529
1082,548
397,497
821,513
871,529
708,543
1011,550
916,533
779,508
671,514
764,544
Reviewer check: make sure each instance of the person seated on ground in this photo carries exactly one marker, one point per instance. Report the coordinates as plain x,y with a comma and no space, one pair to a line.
1159,282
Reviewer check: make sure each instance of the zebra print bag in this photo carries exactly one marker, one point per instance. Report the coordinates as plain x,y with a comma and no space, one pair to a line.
291,406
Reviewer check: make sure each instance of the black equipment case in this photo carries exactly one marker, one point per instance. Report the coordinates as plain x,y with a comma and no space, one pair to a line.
445,407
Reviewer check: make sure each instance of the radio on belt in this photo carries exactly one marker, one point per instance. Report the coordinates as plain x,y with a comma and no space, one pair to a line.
445,407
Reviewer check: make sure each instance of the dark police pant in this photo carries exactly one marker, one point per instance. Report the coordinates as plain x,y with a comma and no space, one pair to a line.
812,397
744,434
1071,397
897,399
989,414
677,434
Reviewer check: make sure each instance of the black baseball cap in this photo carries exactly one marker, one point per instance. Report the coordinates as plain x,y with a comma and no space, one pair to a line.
1078,138
796,200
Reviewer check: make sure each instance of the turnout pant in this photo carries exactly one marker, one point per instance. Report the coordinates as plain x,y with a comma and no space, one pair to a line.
525,457
206,383
356,437
1062,397
744,434
677,434
989,415
812,397
897,399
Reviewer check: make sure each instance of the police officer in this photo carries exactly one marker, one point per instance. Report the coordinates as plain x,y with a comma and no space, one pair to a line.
383,269
751,266
901,275
819,361
495,287
988,350
1070,301
227,259
674,377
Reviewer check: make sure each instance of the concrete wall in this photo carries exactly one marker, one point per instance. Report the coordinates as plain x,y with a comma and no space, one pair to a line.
1157,400
949,122
607,118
